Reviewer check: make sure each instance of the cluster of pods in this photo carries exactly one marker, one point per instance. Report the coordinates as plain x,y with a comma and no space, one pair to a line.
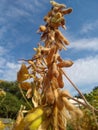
45,69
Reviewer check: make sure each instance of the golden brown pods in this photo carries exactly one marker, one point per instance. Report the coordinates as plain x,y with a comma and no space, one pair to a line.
66,11
60,36
66,63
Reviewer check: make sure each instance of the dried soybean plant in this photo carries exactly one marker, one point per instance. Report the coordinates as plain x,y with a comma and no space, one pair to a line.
51,107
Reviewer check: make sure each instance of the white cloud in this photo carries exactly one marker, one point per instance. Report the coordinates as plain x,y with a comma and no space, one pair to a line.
9,71
89,26
85,44
84,72
2,51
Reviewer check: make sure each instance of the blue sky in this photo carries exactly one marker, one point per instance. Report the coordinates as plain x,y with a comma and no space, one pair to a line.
19,21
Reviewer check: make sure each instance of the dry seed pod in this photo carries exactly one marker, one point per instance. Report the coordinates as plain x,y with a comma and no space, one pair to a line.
23,73
66,11
32,63
50,13
55,70
68,105
29,93
60,45
60,103
57,9
55,4
48,43
62,120
42,28
64,93
58,15
49,96
59,58
61,37
66,63
47,19
60,80
51,36
45,50
78,112
49,58
54,83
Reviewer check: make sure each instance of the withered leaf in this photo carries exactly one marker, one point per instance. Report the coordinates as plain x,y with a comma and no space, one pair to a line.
23,73
25,85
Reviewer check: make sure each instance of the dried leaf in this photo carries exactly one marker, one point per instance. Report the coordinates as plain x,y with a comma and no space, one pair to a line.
23,73
25,85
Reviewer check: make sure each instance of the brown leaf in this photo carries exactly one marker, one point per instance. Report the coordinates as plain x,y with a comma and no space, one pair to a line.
25,85
23,73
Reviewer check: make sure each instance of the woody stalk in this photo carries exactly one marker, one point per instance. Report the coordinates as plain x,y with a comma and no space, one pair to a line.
50,108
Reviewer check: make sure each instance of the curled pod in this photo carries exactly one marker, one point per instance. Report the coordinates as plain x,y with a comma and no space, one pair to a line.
66,63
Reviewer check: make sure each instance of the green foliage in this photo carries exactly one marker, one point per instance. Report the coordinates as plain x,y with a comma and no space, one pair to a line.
11,102
10,106
92,97
88,120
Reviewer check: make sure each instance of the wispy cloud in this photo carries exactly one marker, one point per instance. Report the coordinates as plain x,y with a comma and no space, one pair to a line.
85,44
84,72
2,50
8,70
90,26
